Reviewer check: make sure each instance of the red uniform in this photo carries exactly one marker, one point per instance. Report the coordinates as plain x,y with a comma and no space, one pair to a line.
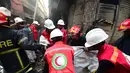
115,56
35,32
47,36
60,58
64,35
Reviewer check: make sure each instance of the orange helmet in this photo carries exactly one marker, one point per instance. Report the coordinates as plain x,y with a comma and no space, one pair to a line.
75,29
4,14
124,25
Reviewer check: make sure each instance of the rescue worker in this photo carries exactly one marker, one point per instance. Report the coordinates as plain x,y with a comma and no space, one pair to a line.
13,58
19,23
76,39
49,26
34,26
60,25
111,59
24,29
60,56
123,42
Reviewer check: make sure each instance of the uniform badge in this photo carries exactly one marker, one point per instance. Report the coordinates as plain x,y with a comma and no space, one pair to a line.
59,61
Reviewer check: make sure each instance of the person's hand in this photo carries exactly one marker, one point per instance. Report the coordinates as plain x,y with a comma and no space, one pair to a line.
94,71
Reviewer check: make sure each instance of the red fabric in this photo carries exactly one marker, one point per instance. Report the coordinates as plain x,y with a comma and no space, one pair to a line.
64,35
61,48
2,18
35,32
47,36
112,54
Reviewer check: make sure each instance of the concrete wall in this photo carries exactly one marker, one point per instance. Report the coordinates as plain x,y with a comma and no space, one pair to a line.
29,9
83,13
86,15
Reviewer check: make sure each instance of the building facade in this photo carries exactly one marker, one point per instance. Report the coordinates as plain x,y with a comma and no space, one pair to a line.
27,9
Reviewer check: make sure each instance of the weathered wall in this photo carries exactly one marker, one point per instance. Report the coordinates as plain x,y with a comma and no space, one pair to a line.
124,13
85,15
83,12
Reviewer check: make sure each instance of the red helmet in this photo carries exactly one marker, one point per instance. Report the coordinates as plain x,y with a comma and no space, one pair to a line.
3,18
4,14
75,29
124,25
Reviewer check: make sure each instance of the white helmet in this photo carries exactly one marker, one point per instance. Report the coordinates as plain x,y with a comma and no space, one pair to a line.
36,23
18,19
56,33
43,40
49,24
95,36
61,22
5,11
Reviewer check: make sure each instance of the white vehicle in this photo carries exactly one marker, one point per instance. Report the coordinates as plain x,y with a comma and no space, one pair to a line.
84,62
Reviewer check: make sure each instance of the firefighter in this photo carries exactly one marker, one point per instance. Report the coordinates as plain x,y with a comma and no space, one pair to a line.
12,57
34,28
60,25
19,23
111,59
76,39
123,42
24,29
49,26
60,56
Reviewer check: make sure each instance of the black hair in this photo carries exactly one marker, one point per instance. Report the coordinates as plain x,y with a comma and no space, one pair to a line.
56,39
102,43
90,28
95,24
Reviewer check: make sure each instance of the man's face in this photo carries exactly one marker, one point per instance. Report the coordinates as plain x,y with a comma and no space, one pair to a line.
49,30
75,36
60,26
37,27
95,47
20,25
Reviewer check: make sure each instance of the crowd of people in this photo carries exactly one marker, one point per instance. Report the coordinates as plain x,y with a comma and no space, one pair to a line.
21,44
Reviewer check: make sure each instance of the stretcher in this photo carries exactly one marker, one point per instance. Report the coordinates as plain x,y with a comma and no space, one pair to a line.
84,61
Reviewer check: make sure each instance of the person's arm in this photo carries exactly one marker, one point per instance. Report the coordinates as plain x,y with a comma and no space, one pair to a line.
119,43
46,67
65,37
24,42
104,66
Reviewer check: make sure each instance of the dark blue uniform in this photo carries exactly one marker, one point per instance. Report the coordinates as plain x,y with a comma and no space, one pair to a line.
123,44
13,58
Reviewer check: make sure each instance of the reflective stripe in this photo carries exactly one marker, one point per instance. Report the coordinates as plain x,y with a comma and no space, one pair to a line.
18,56
6,26
24,69
57,50
29,70
22,40
9,51
123,27
114,55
